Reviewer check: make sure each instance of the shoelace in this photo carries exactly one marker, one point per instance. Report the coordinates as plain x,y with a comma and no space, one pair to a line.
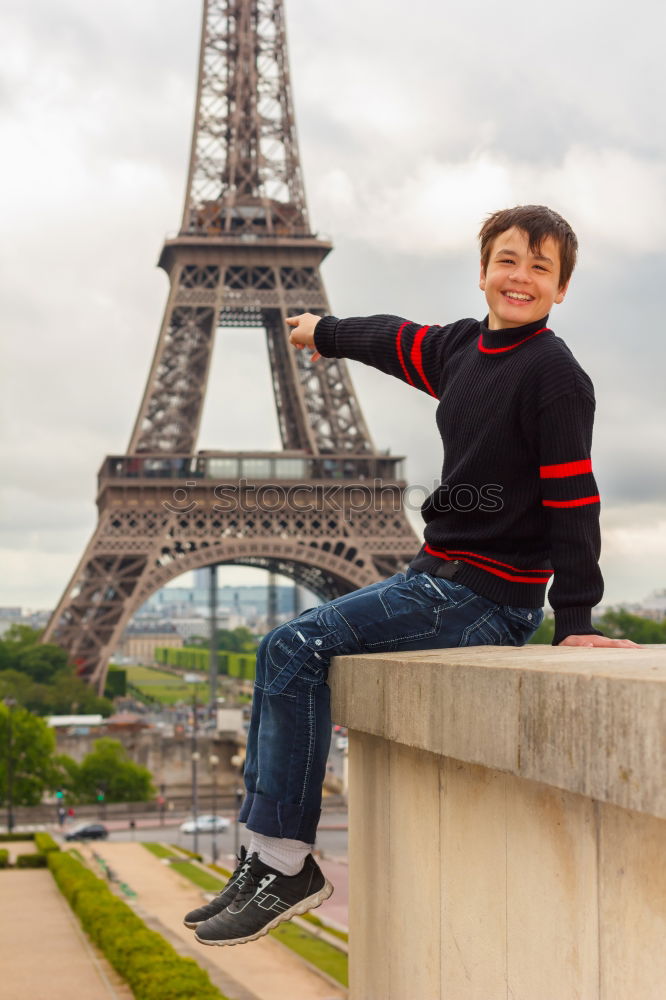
241,858
248,888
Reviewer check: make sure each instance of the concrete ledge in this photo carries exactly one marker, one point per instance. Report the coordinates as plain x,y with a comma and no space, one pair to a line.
589,721
506,823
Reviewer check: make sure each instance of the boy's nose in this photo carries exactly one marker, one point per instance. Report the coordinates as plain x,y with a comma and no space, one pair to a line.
520,273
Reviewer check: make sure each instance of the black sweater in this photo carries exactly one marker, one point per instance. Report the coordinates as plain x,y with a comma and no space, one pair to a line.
517,502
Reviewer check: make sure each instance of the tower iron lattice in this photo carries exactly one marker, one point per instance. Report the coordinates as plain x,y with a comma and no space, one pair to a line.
327,509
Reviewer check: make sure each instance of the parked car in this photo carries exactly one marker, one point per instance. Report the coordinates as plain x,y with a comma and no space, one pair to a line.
205,824
88,831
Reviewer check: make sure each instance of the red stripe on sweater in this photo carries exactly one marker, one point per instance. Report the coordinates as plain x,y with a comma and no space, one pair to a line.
500,350
563,469
509,576
450,553
398,347
417,360
571,503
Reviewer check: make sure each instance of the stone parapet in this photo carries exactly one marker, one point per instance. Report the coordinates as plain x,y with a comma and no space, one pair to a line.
507,812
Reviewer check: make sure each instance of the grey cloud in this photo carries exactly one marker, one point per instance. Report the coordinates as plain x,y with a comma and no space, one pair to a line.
374,94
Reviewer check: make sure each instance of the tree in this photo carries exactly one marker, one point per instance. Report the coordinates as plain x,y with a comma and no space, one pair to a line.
69,693
39,677
614,624
20,636
623,625
108,767
42,663
237,640
66,777
27,746
14,684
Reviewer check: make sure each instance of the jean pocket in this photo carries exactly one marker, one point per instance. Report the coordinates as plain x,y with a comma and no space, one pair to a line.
293,653
522,622
530,617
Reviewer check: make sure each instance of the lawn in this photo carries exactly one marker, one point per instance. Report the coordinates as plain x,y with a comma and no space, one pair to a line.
149,675
159,850
167,688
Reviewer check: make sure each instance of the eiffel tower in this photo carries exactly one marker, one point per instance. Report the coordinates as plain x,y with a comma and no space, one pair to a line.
326,511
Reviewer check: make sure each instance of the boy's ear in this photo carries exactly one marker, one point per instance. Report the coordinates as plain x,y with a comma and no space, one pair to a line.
482,277
561,294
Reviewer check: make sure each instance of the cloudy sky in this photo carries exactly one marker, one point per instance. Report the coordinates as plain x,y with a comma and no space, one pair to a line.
414,122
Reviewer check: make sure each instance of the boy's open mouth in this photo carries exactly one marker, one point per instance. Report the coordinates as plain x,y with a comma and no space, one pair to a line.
518,297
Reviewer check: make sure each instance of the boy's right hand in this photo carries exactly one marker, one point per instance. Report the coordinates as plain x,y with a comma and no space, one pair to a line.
302,334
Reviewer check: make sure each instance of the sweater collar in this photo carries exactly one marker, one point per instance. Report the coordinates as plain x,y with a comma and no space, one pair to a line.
500,341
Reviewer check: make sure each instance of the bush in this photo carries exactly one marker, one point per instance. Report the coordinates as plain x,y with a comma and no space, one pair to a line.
31,861
153,969
6,838
4,858
116,682
44,843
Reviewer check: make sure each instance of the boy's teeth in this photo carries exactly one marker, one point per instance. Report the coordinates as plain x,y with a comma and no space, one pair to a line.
517,295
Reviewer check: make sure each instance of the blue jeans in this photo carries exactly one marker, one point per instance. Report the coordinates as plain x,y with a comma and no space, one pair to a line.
290,728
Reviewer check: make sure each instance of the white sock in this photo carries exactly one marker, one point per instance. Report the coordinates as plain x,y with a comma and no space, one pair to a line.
286,856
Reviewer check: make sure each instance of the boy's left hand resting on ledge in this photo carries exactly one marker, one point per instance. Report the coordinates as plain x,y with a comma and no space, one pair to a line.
596,640
302,334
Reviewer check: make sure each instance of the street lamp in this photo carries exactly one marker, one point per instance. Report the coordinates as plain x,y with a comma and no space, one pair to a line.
214,760
196,757
237,762
10,703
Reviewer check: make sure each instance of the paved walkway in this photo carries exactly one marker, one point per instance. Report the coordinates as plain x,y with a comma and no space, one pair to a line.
45,954
260,970
16,847
336,907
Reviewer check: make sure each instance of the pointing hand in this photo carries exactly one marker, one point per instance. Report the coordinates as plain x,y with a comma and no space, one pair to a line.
302,334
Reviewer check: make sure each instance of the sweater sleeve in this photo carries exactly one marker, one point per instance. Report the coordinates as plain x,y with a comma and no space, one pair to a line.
571,501
406,350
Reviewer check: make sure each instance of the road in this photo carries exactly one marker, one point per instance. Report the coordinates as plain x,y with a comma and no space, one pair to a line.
331,837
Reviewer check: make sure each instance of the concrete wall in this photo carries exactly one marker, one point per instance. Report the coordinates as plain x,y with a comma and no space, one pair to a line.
507,815
168,758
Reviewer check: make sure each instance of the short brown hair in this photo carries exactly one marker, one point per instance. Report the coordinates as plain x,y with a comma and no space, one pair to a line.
538,222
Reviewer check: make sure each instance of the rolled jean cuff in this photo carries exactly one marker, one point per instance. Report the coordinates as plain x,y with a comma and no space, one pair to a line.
279,819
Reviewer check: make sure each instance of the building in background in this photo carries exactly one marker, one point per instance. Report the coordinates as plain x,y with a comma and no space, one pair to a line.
139,641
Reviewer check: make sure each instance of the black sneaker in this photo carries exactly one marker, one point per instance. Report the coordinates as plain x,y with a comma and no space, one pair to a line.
224,897
266,898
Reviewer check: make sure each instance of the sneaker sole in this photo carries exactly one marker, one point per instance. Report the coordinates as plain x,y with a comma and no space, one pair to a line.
309,903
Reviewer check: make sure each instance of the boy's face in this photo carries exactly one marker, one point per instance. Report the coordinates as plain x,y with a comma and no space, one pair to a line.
520,286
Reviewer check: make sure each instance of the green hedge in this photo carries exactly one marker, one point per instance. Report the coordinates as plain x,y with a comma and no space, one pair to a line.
44,843
4,858
150,965
31,861
8,837
116,682
240,665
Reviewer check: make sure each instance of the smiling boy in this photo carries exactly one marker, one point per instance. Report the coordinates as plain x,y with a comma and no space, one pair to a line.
521,282
515,411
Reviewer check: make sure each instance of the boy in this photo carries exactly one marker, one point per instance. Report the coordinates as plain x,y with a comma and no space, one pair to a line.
517,504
